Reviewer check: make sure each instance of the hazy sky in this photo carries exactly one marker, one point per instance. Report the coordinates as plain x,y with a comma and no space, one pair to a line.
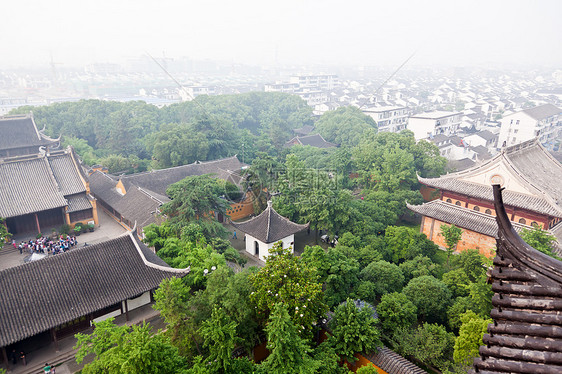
446,32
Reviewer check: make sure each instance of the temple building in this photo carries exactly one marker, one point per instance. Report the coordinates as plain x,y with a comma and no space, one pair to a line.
19,136
43,191
526,333
533,197
63,294
316,141
268,228
135,199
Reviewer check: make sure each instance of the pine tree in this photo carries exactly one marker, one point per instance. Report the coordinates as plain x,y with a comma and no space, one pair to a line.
289,352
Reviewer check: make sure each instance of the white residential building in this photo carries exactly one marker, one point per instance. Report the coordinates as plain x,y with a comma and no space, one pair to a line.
389,118
323,81
544,122
427,125
281,87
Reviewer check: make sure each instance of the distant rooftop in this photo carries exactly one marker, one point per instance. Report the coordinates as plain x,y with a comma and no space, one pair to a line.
435,115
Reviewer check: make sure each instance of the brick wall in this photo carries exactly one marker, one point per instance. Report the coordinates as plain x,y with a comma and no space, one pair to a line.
486,245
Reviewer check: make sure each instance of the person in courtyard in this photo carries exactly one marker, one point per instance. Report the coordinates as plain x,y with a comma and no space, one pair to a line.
47,368
234,235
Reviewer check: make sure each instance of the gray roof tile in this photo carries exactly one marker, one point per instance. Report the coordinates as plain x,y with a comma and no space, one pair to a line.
269,226
392,362
28,186
20,131
78,202
158,181
40,295
66,174
543,111
533,165
465,218
137,205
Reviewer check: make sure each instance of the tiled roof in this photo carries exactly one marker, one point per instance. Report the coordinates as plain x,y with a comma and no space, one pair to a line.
538,168
487,135
269,226
392,362
526,333
66,174
137,205
20,131
41,295
35,183
28,186
159,180
462,217
513,199
533,167
543,111
458,165
78,202
315,140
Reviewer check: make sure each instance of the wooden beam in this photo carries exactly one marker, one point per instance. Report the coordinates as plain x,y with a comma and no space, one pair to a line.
37,222
55,340
5,358
126,311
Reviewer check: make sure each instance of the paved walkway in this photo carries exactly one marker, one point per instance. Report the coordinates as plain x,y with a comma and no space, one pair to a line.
64,360
108,229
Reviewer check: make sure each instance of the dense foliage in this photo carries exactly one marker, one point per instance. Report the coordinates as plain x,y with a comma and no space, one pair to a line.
427,309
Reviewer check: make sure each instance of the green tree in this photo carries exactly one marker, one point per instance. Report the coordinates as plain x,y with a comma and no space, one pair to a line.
418,266
457,281
431,297
338,272
470,336
287,279
4,234
354,329
472,263
219,337
396,311
120,349
429,344
260,178
289,353
367,369
384,276
196,200
540,240
172,299
452,235
455,311
345,126
405,243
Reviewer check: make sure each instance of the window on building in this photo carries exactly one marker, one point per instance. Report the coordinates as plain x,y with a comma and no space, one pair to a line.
534,224
488,211
458,203
517,122
523,221
476,208
449,201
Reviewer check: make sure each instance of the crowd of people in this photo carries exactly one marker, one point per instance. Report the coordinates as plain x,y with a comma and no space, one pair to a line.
47,245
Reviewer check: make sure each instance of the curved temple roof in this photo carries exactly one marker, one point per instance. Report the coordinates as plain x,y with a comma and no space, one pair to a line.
269,226
528,164
41,295
526,333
